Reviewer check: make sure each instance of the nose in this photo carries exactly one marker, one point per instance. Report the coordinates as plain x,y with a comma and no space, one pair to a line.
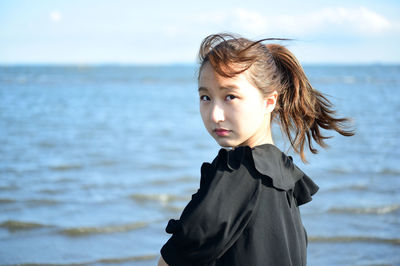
217,113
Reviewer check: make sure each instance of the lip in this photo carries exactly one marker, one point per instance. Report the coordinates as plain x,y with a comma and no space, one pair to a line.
221,132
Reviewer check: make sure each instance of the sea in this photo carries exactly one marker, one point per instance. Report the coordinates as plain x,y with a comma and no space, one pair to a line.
95,159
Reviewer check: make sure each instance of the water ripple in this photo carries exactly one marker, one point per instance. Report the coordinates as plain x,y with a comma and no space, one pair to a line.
84,231
111,261
162,198
367,210
342,239
6,201
14,226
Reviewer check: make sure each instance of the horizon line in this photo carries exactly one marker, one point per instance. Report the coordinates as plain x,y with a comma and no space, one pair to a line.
153,64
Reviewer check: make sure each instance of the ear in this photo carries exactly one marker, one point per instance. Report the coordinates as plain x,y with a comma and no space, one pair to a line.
270,101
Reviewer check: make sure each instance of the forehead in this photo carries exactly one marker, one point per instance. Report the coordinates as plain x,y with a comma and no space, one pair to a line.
208,77
213,83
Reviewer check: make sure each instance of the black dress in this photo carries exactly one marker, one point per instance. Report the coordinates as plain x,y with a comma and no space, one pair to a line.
244,213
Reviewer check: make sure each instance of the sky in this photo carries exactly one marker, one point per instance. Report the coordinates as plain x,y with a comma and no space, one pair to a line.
170,32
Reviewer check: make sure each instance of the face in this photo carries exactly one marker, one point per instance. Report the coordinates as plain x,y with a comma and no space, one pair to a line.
234,112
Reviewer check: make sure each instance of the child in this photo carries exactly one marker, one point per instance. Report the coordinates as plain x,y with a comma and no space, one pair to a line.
246,209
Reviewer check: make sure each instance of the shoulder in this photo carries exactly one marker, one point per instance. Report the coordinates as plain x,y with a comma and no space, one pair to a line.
228,162
230,172
285,174
264,161
244,165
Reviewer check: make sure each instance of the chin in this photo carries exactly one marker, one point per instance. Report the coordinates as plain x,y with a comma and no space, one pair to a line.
226,143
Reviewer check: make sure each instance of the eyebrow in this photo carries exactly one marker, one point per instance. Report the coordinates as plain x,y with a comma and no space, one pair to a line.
229,88
202,89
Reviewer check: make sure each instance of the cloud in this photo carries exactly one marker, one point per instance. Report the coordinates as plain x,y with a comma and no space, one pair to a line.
55,16
360,21
369,20
249,21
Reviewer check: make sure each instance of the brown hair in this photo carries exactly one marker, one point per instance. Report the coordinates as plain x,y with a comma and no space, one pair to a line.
301,110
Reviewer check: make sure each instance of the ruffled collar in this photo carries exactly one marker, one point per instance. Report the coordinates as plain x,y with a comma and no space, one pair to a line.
269,161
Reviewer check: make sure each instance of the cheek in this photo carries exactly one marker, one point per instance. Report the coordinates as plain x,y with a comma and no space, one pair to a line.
252,115
202,111
204,114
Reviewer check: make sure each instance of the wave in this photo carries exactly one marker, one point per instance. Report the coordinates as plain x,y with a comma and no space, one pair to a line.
46,144
342,239
106,163
84,231
159,166
65,167
52,191
65,180
128,259
100,261
367,210
162,198
9,188
357,187
5,201
382,171
30,202
38,202
389,171
182,179
49,264
14,226
174,209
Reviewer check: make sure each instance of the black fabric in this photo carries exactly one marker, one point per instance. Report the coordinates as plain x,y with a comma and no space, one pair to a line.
244,213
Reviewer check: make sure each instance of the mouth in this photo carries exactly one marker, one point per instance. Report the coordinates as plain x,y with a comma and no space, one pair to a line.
221,132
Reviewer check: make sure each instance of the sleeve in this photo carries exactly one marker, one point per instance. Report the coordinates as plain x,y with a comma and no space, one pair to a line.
214,219
304,189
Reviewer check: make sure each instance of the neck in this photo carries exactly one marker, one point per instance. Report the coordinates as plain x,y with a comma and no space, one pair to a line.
263,139
263,136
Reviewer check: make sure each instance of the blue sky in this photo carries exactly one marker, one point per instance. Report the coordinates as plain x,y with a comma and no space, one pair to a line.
154,32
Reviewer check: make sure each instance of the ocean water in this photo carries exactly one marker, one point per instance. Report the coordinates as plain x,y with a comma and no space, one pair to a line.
94,161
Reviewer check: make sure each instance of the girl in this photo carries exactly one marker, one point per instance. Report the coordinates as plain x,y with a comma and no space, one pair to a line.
246,209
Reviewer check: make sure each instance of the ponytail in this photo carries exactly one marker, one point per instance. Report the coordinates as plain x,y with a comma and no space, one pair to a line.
302,110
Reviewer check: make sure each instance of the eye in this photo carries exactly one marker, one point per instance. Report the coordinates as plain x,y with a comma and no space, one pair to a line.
230,97
204,98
